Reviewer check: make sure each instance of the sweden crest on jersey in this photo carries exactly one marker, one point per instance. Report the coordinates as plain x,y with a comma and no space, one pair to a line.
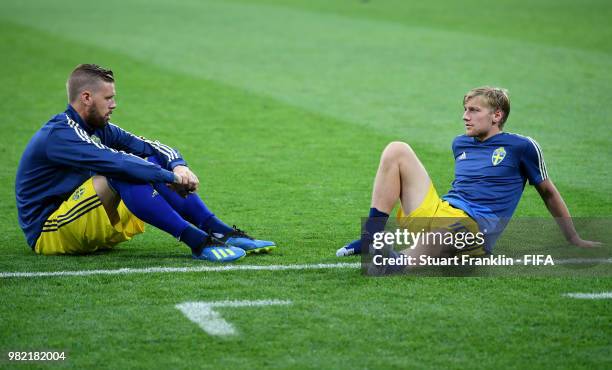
78,193
498,155
95,139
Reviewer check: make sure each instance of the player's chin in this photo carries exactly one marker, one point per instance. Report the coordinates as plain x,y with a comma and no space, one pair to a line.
469,132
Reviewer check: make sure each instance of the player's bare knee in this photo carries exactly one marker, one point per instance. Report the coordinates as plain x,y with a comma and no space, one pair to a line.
395,152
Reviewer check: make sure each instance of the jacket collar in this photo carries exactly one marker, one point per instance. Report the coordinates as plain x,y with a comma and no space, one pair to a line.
74,115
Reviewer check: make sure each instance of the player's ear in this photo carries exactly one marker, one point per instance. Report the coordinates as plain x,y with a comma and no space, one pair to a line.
497,116
86,97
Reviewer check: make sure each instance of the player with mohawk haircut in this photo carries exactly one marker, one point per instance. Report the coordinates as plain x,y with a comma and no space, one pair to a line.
84,184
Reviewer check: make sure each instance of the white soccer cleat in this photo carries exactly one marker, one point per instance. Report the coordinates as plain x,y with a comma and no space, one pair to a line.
344,251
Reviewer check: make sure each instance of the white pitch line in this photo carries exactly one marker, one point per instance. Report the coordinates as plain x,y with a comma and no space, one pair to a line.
578,261
151,270
604,295
203,314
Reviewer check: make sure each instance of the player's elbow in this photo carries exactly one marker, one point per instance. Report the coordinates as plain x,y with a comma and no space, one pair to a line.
550,195
547,189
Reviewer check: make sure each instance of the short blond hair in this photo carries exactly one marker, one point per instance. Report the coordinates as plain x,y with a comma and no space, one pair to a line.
495,97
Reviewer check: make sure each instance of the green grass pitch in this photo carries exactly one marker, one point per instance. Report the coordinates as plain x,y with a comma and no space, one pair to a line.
282,108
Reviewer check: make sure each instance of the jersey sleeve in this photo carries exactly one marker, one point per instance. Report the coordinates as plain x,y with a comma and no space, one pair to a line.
454,146
130,143
69,145
532,163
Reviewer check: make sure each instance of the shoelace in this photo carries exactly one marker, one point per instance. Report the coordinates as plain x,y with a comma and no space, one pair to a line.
240,233
212,242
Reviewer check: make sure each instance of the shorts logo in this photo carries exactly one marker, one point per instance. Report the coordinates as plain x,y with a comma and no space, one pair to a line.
498,155
78,193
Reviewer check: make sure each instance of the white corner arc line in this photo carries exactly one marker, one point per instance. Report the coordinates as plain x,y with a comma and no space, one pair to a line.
207,318
603,295
151,270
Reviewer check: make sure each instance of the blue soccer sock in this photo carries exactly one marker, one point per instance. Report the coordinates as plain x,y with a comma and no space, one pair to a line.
375,223
215,226
142,201
192,208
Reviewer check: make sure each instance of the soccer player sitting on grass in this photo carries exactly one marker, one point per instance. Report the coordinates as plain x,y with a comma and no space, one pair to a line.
491,169
84,184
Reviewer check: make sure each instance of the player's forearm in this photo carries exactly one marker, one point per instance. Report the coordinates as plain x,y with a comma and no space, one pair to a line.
70,146
558,209
169,157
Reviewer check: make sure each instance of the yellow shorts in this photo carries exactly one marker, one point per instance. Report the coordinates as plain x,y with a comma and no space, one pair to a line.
437,214
80,225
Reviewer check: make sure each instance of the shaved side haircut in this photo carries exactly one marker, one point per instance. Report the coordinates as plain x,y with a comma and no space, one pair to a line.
86,77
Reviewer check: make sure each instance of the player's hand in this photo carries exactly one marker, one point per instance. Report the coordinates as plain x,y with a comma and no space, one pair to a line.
577,241
187,178
179,185
185,181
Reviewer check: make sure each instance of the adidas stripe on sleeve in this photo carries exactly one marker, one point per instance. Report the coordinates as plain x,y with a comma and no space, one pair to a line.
69,144
142,147
532,162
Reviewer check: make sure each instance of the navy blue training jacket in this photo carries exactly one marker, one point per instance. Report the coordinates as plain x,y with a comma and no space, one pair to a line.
66,151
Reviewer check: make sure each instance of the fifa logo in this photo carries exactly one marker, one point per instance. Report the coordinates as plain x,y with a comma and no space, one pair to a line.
498,155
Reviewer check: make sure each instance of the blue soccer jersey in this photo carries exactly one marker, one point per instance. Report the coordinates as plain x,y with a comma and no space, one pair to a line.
66,151
490,177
